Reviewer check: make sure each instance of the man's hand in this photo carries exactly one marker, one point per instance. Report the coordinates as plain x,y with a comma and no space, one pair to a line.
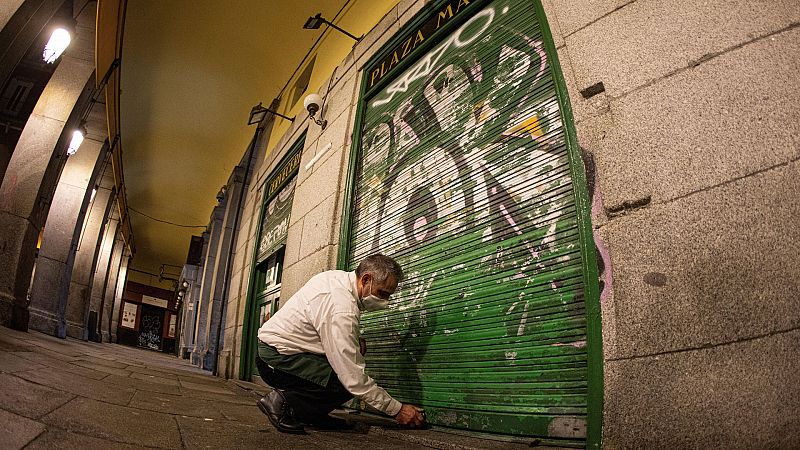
362,346
410,415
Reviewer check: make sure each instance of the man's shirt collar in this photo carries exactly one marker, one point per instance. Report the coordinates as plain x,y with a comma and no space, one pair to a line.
354,290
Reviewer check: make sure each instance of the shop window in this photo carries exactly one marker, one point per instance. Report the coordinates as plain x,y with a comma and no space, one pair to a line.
14,96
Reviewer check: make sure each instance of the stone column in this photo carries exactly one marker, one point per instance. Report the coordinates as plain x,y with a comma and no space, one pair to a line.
7,10
189,274
111,288
216,318
206,296
101,271
33,171
194,299
86,255
50,288
122,277
244,238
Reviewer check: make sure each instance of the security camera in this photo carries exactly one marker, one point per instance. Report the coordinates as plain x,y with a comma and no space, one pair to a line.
312,104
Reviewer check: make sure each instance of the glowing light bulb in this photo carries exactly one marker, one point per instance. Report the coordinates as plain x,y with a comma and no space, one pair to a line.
75,143
59,41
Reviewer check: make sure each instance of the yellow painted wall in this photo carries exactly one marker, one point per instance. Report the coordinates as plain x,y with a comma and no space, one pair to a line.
149,280
358,18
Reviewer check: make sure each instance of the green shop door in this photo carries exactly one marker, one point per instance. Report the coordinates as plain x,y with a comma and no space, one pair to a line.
265,282
268,289
466,171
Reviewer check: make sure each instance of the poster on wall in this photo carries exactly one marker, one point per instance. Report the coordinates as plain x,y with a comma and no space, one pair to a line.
173,320
129,315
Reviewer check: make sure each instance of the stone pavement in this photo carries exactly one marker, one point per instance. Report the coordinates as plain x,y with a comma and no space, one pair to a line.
57,393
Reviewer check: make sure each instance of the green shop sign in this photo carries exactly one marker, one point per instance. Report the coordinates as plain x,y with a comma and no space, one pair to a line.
412,39
278,202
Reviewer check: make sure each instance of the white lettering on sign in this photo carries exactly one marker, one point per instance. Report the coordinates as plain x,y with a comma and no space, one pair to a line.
274,235
160,302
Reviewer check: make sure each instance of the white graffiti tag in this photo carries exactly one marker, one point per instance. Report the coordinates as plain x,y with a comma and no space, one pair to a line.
430,61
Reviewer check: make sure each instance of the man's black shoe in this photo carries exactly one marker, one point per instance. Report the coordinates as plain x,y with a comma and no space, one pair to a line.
331,423
279,413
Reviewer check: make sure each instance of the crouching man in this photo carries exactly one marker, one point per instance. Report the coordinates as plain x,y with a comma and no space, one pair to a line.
311,352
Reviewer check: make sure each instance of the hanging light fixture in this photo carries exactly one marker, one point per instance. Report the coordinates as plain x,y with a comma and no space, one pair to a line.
315,22
59,41
77,140
258,113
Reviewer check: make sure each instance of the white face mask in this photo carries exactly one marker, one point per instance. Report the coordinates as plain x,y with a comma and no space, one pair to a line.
373,302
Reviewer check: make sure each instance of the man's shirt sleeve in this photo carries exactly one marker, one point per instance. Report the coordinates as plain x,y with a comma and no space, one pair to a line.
338,331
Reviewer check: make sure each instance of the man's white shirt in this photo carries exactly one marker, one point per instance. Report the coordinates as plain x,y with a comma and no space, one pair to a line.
323,318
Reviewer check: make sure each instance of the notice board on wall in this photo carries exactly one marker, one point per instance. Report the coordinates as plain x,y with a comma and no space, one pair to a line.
129,311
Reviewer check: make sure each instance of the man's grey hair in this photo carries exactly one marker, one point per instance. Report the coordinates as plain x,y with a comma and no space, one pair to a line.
380,266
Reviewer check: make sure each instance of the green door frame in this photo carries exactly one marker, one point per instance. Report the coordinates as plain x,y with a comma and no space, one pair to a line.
444,8
283,173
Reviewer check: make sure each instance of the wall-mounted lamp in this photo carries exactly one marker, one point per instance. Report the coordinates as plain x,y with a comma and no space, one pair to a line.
313,104
315,22
185,284
258,113
79,134
77,139
58,42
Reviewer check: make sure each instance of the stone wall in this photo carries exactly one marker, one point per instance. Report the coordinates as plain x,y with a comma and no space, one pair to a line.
692,151
696,152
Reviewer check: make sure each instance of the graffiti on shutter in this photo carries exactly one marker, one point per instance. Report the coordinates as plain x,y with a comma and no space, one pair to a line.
463,176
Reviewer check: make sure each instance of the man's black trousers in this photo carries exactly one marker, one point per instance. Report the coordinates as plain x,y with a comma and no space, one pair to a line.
310,401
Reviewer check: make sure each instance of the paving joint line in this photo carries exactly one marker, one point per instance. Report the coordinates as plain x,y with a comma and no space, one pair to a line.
127,405
598,19
708,345
702,60
630,212
733,180
180,432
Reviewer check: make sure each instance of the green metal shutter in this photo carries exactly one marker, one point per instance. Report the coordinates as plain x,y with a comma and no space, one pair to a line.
463,175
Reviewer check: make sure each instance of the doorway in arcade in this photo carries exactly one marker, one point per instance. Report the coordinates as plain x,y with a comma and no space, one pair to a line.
268,272
268,289
265,284
151,327
465,170
147,318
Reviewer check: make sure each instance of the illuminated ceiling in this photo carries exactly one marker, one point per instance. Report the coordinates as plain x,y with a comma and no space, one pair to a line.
191,71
